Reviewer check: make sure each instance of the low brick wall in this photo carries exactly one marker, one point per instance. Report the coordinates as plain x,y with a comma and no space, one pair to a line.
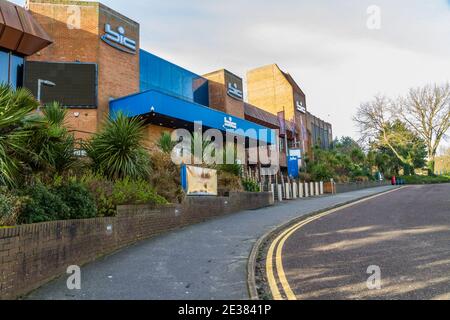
31,255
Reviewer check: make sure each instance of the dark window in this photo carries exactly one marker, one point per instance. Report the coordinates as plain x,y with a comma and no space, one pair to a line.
4,67
16,71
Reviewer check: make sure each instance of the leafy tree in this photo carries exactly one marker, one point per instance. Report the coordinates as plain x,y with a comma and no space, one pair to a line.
117,151
426,110
408,145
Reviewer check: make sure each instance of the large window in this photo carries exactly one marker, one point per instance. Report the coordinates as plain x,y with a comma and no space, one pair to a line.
157,73
11,69
4,67
16,71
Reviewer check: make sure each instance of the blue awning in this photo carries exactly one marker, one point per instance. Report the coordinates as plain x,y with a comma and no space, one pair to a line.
153,101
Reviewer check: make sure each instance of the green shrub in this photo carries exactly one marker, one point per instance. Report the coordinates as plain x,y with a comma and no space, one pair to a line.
129,191
166,177
228,182
79,200
101,189
426,179
10,207
43,205
251,185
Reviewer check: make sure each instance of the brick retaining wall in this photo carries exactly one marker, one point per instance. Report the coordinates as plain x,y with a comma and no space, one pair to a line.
31,255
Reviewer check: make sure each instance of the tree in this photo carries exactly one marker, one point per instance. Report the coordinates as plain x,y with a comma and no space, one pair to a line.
117,151
427,111
374,120
15,105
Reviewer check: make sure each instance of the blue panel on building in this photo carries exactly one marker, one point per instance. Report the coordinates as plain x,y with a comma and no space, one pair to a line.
153,101
157,73
293,169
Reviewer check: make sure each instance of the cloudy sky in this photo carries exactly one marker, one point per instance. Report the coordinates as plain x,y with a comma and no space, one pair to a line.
325,44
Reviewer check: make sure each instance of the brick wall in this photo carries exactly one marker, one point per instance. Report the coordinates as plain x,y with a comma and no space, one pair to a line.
32,255
118,72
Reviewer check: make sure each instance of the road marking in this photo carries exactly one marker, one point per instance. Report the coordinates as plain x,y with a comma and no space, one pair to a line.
277,247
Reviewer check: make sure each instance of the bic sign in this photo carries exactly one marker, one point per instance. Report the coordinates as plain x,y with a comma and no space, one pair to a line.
229,123
234,91
301,107
118,40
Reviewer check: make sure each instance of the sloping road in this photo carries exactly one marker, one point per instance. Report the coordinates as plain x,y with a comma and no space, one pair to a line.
204,261
405,233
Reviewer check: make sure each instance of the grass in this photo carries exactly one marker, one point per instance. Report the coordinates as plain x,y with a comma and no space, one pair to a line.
426,179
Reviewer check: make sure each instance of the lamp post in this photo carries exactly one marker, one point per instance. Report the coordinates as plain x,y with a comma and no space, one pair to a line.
42,83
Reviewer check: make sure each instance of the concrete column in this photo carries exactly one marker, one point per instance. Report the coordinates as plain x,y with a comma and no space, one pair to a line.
294,190
317,189
280,193
272,188
301,192
288,191
311,189
306,190
321,188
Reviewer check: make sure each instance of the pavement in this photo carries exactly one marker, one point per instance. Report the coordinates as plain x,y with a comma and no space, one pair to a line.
207,261
405,234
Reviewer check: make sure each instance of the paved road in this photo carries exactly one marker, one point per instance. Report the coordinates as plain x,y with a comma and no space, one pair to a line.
204,261
405,233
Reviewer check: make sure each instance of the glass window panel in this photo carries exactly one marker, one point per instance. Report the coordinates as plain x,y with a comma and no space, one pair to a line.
4,67
16,77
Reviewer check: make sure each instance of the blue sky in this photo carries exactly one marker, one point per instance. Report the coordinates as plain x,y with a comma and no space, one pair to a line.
324,44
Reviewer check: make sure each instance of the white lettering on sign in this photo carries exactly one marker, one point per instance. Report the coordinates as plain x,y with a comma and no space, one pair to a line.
301,107
234,91
229,123
118,40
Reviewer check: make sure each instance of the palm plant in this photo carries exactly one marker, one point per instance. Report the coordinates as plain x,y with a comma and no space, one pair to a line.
52,146
15,105
165,142
117,151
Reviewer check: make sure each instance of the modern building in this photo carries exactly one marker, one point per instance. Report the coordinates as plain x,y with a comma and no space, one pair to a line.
20,37
276,92
92,54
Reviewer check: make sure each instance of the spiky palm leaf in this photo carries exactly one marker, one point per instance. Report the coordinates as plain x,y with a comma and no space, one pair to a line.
15,105
117,151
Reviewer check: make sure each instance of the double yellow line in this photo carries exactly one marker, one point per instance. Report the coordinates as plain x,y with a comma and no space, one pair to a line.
279,285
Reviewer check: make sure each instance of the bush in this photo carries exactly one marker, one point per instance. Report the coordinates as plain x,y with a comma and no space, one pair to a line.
101,190
426,179
166,177
228,182
10,207
79,200
129,191
43,205
251,185
118,150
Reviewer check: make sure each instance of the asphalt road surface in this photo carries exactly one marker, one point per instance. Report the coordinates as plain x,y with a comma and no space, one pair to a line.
204,261
406,234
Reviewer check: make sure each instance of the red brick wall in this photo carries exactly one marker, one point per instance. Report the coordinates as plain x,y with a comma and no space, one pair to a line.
118,72
32,255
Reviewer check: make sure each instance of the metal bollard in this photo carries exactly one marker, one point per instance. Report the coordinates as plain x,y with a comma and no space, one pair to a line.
272,188
306,190
301,192
311,189
321,188
317,188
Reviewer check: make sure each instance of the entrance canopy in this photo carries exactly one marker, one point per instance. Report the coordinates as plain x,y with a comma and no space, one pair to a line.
165,106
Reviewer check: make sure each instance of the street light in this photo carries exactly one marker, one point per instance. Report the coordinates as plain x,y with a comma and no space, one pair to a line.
41,83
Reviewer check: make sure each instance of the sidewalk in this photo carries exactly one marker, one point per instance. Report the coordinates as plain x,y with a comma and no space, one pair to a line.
204,261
